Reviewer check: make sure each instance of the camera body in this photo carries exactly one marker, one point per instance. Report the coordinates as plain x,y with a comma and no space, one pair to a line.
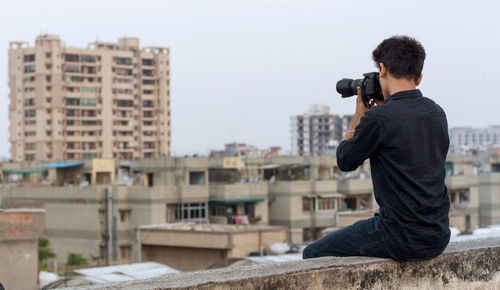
370,87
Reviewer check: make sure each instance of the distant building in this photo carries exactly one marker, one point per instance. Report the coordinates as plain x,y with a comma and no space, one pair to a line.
245,150
109,100
312,133
463,139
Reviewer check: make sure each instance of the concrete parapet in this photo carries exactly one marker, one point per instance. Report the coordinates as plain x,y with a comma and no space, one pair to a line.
465,265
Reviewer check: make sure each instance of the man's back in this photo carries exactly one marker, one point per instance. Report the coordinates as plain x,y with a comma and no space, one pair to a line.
408,175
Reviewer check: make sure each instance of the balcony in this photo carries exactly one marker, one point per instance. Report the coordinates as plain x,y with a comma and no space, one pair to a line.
235,191
324,186
121,96
290,187
461,181
323,218
193,192
355,186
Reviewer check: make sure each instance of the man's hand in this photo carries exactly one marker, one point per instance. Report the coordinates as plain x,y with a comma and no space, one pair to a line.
361,105
361,108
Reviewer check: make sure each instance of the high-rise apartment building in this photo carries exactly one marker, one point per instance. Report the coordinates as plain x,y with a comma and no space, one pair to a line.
314,131
107,100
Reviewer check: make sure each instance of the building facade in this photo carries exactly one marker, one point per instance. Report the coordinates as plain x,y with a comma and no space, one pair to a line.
109,100
313,133
94,207
463,139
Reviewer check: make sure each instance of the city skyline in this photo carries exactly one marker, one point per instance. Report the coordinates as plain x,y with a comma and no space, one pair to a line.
240,70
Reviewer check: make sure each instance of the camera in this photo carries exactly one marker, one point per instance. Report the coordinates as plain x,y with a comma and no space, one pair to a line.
370,87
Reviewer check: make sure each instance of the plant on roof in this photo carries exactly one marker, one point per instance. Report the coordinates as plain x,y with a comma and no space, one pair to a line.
75,259
44,253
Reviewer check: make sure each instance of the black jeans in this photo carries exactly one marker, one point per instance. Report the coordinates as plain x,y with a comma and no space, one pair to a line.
363,238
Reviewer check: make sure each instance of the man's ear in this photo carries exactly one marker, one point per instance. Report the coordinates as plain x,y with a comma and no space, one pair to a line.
383,70
419,79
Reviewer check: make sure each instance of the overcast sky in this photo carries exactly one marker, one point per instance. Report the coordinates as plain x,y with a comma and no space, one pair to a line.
240,69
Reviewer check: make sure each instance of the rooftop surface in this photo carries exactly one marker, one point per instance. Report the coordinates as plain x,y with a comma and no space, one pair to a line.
464,265
209,227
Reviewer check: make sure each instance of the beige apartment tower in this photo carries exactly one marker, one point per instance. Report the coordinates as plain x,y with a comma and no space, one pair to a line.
105,101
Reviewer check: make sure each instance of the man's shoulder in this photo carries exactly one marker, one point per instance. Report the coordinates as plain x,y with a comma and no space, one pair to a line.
431,102
377,112
409,107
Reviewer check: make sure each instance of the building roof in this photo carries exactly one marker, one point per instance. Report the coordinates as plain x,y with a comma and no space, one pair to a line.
126,272
237,200
210,227
274,258
22,171
60,165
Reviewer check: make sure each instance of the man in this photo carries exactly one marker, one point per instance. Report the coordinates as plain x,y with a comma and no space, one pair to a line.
405,136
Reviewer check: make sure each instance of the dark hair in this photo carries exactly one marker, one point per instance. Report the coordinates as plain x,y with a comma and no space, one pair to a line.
403,56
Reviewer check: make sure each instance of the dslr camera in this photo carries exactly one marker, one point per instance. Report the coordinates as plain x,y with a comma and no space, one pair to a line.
370,87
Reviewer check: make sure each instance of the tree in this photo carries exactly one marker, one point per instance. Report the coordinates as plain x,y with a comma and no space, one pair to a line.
76,260
44,252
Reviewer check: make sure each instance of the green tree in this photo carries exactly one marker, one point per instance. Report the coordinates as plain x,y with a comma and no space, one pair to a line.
44,253
76,260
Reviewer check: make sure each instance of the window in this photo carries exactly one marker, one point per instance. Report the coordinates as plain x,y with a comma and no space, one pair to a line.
71,57
123,61
88,58
72,68
308,204
126,252
327,204
147,73
218,210
124,214
29,102
30,113
29,69
125,103
191,212
123,72
196,178
146,61
88,90
30,146
29,58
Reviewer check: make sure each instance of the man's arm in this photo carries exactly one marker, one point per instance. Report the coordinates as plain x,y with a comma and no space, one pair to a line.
361,108
361,139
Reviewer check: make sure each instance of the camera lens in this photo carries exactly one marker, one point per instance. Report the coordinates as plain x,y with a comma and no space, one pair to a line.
344,87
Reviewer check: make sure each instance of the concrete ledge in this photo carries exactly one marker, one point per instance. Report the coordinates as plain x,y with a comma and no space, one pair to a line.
464,265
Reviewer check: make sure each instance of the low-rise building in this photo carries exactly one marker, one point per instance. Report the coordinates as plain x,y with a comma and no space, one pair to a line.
95,206
195,247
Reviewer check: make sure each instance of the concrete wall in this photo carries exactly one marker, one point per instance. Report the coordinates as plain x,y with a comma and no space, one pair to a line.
489,199
246,243
184,259
466,265
72,220
20,230
19,268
